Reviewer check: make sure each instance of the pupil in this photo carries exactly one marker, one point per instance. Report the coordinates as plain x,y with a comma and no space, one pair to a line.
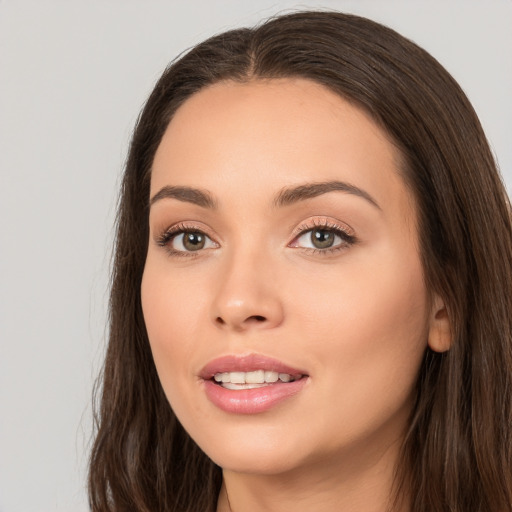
193,241
322,238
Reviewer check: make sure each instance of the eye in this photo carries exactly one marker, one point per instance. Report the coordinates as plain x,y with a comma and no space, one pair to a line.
319,238
190,241
180,240
323,238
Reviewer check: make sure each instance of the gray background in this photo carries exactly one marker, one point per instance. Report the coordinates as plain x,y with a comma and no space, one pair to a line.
73,76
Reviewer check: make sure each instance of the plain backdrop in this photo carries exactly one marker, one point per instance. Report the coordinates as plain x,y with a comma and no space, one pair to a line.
73,77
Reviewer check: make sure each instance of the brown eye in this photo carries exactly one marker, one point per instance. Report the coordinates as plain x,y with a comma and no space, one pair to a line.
322,238
187,241
193,241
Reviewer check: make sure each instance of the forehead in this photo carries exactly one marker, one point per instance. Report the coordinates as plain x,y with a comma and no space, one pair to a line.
275,133
297,106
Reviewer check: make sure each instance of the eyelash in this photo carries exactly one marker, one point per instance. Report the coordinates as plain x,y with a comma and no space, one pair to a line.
170,234
347,238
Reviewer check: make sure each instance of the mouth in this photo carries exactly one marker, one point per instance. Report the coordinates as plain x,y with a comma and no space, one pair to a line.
252,371
253,379
250,384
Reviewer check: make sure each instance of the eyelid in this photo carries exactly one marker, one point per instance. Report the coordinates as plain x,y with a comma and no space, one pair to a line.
164,237
341,230
323,222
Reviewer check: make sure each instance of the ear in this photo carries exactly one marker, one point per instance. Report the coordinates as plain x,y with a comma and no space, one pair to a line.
440,333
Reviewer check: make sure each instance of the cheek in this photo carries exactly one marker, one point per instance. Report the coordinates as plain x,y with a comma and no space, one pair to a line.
369,333
171,307
370,301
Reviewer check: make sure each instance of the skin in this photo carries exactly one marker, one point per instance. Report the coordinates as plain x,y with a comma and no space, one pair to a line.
357,319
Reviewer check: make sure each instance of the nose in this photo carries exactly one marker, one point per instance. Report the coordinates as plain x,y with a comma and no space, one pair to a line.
248,296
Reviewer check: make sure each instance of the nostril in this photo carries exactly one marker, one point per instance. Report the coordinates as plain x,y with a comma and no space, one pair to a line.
253,318
257,318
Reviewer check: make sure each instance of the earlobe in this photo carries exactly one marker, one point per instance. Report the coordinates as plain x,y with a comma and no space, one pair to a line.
440,333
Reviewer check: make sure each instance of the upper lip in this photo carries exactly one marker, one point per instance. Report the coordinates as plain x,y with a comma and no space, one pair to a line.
247,363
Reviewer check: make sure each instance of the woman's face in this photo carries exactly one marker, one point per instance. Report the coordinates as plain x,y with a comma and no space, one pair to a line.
283,262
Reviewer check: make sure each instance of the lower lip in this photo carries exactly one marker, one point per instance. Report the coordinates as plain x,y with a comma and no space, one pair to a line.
251,401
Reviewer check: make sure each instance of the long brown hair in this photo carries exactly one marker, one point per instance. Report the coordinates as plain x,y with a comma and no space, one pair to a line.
457,454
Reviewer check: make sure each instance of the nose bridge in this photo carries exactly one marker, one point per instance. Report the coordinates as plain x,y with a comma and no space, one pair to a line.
247,294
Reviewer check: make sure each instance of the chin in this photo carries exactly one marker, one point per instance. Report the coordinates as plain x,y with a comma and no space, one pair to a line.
256,463
253,451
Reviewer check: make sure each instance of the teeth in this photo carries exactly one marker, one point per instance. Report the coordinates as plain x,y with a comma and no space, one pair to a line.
257,377
250,380
271,376
229,385
236,378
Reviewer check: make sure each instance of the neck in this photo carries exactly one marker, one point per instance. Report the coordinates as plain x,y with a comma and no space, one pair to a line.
325,486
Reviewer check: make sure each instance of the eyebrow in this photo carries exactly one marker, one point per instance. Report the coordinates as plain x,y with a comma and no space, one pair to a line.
288,196
186,194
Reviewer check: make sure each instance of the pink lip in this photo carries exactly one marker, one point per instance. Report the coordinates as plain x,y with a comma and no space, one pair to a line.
250,401
248,363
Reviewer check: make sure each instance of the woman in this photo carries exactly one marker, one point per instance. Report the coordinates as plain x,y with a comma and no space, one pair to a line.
311,295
